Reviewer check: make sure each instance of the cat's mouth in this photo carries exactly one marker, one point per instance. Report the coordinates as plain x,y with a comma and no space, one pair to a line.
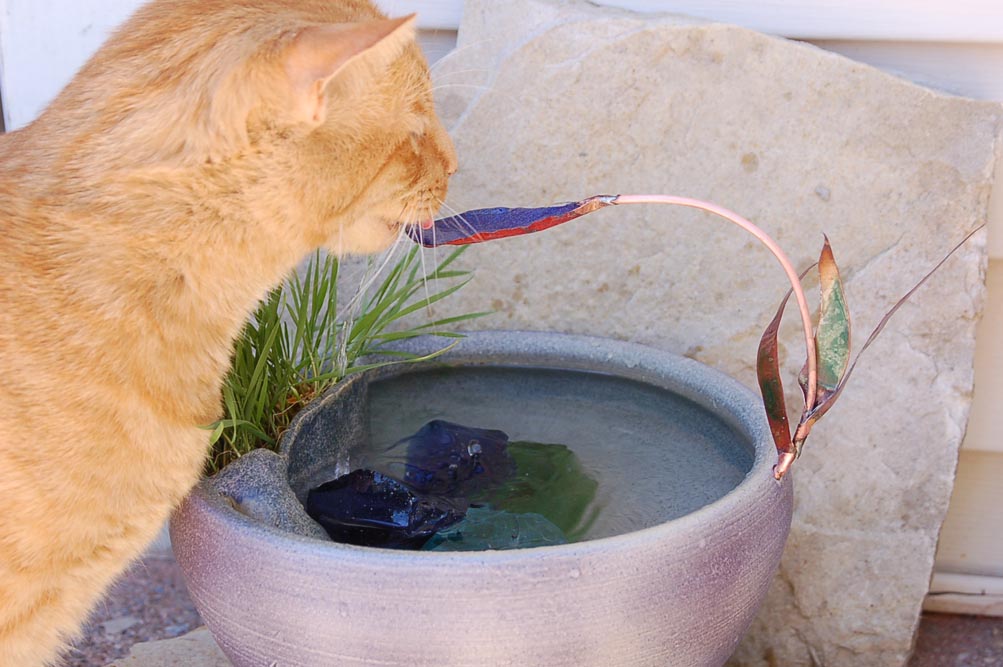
427,223
420,214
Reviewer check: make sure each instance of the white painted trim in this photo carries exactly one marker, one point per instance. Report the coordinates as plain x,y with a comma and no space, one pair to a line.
952,593
432,14
910,20
3,51
971,70
970,539
985,424
899,20
44,42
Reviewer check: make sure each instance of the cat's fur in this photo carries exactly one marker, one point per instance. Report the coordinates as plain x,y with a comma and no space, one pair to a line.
204,150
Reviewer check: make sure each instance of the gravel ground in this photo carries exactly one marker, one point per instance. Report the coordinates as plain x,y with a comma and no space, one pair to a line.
150,602
946,640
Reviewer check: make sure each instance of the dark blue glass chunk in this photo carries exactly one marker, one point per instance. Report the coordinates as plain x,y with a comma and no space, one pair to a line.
370,509
448,459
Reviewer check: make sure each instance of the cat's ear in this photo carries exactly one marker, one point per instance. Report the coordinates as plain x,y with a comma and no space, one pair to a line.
319,53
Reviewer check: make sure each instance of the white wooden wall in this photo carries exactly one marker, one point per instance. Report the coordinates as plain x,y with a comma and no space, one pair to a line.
952,45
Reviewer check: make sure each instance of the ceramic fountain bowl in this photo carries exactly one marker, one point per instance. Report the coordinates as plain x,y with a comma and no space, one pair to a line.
672,573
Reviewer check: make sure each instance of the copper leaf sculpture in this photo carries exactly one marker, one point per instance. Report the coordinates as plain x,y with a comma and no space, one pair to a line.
827,345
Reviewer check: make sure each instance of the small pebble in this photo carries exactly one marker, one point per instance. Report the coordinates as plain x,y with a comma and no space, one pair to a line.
175,630
118,625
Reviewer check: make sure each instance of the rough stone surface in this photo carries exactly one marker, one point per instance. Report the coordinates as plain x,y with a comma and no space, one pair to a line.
257,486
196,649
554,100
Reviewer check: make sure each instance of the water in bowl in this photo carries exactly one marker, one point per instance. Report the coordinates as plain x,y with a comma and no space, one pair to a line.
654,455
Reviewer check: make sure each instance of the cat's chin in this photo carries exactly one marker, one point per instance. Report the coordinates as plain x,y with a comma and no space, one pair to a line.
364,238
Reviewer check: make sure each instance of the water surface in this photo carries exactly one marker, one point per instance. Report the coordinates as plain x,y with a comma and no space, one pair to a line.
655,455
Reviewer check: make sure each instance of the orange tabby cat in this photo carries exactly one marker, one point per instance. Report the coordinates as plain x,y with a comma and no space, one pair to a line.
204,150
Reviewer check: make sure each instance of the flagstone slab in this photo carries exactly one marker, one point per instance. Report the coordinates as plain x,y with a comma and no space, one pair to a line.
195,649
555,100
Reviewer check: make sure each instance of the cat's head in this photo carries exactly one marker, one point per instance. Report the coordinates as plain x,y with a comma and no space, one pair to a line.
362,91
320,108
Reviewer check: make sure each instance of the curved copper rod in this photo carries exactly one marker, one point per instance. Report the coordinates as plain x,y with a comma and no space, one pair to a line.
482,225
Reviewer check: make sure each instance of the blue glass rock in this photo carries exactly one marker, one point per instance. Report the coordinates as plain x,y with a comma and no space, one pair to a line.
450,487
447,459
369,509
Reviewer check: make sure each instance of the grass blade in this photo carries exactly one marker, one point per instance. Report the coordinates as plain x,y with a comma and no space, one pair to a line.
289,351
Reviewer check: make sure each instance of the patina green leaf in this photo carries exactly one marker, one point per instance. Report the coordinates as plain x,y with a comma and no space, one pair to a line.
832,338
823,406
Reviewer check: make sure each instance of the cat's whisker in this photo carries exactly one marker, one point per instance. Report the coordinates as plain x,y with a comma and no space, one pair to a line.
371,276
457,72
348,314
459,216
424,280
339,251
460,85
461,49
424,268
435,248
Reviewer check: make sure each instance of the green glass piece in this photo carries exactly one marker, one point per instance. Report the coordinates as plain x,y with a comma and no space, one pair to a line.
549,481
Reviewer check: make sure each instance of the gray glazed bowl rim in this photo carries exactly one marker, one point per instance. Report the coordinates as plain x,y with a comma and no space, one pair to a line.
709,384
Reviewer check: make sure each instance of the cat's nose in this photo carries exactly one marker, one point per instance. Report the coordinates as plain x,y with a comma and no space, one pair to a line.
446,150
452,164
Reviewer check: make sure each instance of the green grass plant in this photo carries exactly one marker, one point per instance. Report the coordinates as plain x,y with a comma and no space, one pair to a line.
295,345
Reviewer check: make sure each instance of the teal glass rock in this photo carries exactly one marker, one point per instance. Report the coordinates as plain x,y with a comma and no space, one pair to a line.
493,529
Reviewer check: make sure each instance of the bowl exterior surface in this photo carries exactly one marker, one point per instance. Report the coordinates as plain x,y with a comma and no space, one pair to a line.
680,593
